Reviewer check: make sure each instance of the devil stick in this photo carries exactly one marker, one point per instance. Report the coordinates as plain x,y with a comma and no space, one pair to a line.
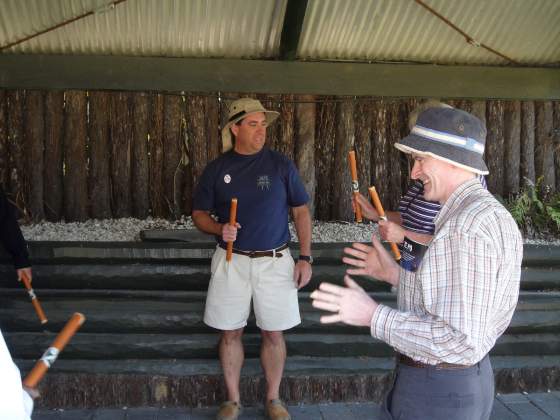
355,187
379,208
232,217
51,354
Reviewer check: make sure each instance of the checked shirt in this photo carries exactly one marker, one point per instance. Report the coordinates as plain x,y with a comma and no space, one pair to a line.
462,298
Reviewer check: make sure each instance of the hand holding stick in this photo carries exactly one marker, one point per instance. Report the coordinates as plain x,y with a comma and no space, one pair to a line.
51,354
232,222
34,300
379,208
355,186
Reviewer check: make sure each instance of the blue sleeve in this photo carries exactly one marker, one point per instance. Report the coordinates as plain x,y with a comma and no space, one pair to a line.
204,193
297,196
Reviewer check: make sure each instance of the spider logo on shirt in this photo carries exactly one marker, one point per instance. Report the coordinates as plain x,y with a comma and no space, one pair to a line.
263,182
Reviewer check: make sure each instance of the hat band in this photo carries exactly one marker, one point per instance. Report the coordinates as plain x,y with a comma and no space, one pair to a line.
235,116
463,142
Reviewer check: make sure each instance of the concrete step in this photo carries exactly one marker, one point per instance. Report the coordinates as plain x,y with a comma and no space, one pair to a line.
196,275
182,312
195,383
186,346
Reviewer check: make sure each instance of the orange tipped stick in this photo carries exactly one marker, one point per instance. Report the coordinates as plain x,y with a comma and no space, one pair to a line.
232,217
34,300
355,186
377,203
51,354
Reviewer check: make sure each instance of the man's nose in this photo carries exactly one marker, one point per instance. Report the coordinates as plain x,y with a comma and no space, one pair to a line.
415,172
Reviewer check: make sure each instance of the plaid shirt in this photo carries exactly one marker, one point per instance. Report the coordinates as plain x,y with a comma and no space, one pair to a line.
465,291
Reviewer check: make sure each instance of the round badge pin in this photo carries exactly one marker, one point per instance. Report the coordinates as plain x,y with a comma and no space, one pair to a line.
227,179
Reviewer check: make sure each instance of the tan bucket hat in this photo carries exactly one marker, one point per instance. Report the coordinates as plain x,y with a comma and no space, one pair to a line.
238,110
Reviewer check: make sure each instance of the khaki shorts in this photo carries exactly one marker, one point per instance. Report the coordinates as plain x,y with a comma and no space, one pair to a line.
268,281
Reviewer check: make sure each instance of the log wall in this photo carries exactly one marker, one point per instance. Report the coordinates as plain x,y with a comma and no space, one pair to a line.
76,155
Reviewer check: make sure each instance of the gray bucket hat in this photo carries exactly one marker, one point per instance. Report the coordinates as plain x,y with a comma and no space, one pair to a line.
238,110
448,134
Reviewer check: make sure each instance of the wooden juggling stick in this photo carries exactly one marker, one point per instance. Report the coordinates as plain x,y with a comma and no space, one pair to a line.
51,354
355,186
379,208
232,217
34,300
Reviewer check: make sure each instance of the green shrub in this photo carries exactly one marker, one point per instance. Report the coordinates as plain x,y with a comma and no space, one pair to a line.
536,209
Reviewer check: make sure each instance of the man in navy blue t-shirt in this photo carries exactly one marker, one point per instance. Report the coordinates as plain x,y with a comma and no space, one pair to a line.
267,186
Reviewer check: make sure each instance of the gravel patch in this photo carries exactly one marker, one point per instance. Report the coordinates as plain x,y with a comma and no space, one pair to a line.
128,229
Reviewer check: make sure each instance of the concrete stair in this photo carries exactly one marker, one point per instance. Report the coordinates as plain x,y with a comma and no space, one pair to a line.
144,342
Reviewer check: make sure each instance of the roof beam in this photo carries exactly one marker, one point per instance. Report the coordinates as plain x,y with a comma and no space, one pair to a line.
232,75
292,28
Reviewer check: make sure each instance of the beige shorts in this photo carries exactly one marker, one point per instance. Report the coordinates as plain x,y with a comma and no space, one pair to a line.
267,281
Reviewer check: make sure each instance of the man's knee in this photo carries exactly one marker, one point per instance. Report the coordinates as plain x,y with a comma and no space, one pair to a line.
272,338
231,336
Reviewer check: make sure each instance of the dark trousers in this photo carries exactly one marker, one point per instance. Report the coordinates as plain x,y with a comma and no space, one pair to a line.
446,394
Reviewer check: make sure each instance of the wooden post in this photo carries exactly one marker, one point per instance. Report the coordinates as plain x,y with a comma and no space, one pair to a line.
379,149
15,101
512,146
213,127
140,158
494,153
156,156
363,142
34,137
75,158
286,123
121,144
172,149
393,154
53,183
305,146
527,163
4,156
324,157
544,147
342,183
99,155
556,140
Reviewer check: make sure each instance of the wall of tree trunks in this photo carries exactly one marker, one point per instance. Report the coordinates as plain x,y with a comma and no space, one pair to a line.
76,155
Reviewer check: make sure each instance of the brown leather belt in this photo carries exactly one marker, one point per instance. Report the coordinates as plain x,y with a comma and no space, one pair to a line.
260,254
405,360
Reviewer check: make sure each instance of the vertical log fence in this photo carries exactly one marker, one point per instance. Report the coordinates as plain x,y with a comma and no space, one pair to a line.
76,155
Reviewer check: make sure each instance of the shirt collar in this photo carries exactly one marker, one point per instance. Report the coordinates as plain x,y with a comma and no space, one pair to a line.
455,200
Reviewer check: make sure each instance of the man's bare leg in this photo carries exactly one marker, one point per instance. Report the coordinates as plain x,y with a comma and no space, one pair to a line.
273,359
231,358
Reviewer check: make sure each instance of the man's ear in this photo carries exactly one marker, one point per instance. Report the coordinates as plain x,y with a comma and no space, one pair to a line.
234,129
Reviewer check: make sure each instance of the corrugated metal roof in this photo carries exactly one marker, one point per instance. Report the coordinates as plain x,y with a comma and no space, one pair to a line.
193,28
402,30
356,30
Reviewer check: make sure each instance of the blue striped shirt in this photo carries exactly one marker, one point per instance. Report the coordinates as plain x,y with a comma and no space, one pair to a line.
418,214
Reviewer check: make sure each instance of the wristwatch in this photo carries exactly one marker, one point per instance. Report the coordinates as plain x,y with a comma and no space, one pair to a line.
307,258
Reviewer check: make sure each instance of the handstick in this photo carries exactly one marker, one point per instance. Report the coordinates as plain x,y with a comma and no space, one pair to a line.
379,208
50,355
355,186
232,217
34,300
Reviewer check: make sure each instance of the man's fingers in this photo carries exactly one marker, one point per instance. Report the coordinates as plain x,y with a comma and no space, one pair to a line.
332,288
326,306
331,319
354,262
356,272
351,283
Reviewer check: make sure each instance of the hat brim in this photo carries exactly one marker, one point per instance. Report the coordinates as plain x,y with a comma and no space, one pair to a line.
464,159
227,143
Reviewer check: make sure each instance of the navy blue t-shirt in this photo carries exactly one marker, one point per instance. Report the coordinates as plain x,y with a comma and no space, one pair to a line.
266,185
